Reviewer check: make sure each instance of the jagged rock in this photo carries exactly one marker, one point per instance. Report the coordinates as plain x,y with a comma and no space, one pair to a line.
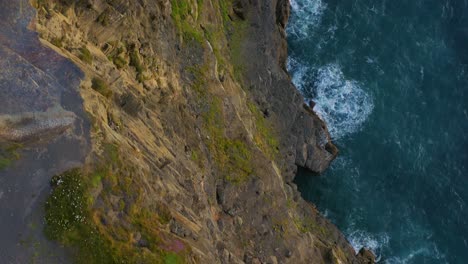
239,9
256,261
282,12
366,256
130,104
272,260
29,126
238,221
178,229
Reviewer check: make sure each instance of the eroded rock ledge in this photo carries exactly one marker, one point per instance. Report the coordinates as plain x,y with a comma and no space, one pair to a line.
34,125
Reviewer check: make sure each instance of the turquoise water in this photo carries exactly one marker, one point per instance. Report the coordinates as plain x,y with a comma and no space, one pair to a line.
390,78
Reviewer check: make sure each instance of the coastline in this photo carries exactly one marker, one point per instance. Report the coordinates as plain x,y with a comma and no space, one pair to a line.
150,125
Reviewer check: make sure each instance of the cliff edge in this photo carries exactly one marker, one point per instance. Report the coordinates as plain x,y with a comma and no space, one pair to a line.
196,136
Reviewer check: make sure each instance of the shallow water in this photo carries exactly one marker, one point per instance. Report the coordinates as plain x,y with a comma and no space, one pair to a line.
390,78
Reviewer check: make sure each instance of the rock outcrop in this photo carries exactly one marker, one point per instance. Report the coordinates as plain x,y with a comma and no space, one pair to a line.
197,131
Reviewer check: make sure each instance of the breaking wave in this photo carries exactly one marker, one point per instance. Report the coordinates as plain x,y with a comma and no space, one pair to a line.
360,239
341,103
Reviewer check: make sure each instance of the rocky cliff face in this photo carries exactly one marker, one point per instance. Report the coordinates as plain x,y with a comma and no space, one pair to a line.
197,133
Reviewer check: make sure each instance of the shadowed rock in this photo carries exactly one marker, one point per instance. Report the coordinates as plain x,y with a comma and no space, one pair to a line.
33,80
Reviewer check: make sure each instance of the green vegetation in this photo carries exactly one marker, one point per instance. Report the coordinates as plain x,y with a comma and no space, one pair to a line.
233,157
236,40
4,163
85,55
309,225
111,151
137,64
226,40
183,18
216,36
100,86
8,154
74,218
119,62
264,137
58,42
68,220
103,18
196,156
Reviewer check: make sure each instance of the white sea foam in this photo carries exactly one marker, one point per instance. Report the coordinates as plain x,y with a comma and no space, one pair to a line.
298,71
305,15
374,242
341,103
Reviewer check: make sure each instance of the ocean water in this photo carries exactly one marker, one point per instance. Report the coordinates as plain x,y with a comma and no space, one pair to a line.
390,78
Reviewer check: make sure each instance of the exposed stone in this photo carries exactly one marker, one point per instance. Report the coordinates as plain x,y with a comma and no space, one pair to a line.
366,256
272,260
130,103
238,221
178,229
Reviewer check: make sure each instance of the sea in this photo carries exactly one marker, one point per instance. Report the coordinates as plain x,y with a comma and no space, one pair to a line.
390,79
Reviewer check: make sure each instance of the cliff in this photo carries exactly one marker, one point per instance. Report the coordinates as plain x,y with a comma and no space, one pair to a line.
196,135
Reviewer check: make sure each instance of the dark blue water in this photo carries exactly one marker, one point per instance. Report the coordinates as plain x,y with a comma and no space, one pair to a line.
390,78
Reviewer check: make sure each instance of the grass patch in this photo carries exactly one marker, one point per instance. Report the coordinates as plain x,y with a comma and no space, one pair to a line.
216,37
197,157
8,154
66,207
73,220
172,259
4,163
308,225
100,86
264,137
111,152
119,62
232,156
103,18
58,42
85,55
96,178
68,220
135,62
181,15
235,46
